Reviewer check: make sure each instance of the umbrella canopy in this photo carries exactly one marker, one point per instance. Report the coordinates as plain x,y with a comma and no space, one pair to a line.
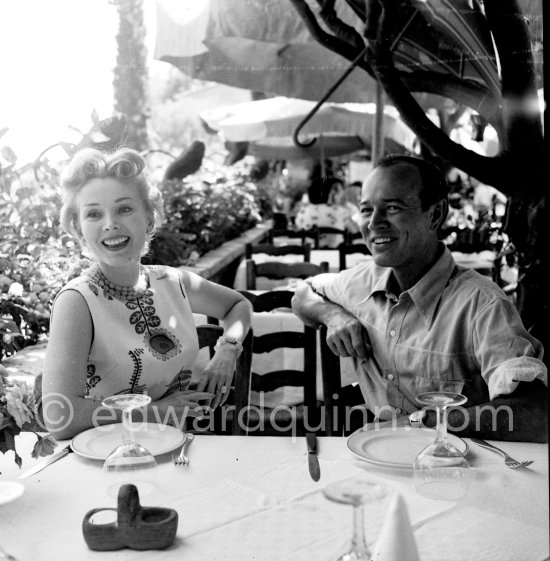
279,116
445,47
256,45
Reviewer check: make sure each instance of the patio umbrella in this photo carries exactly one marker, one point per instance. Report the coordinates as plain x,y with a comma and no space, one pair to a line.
279,117
268,124
260,45
264,45
327,146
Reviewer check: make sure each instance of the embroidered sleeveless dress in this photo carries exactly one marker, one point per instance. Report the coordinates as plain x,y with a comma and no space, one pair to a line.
144,343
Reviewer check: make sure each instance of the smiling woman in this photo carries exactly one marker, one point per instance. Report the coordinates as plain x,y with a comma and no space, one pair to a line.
59,68
122,327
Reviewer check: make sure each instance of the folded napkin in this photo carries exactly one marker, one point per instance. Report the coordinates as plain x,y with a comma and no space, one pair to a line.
396,541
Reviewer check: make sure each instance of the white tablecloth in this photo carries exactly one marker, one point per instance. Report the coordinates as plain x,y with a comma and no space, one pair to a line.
245,498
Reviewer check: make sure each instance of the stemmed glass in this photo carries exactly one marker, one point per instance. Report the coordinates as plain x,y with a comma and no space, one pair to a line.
355,491
129,457
440,471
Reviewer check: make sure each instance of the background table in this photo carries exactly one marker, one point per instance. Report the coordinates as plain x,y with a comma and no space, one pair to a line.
245,498
481,262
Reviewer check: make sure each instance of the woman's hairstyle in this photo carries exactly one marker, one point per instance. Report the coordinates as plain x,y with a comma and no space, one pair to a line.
320,187
125,165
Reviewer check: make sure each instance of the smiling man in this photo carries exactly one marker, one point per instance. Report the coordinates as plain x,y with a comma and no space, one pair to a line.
415,321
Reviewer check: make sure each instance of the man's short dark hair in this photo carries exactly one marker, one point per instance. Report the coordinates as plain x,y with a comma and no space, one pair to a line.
434,186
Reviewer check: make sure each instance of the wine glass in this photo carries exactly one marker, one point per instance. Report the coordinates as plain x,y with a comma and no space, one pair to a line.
355,491
129,459
440,470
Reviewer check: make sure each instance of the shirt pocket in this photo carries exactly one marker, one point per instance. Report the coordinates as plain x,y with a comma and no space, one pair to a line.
436,372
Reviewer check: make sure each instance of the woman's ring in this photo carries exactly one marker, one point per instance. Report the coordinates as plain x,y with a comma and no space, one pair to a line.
223,389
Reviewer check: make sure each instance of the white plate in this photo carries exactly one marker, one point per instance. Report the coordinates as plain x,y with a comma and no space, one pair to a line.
99,442
9,491
396,447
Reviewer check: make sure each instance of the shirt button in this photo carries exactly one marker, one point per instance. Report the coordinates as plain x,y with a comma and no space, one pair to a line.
398,411
392,333
390,376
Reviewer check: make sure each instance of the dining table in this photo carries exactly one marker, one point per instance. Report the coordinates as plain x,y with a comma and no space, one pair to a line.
252,498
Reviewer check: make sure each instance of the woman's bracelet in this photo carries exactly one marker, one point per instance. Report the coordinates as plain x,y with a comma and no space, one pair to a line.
229,341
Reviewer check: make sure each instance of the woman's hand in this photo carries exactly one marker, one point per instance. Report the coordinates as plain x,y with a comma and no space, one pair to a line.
218,375
178,405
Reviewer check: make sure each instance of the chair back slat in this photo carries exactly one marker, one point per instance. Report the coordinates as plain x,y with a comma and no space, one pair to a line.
284,339
276,379
346,249
270,300
302,235
278,250
276,270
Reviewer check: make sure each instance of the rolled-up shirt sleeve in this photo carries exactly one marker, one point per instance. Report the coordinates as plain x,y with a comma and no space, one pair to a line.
506,352
330,286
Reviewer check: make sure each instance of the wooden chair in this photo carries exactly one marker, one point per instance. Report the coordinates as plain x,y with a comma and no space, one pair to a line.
277,251
353,237
322,230
208,335
278,377
346,249
343,410
333,410
302,235
275,270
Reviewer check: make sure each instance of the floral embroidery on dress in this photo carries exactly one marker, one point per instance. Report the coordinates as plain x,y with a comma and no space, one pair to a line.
136,374
162,344
180,382
92,379
144,315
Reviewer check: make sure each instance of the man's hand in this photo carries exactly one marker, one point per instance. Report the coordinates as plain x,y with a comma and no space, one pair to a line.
346,336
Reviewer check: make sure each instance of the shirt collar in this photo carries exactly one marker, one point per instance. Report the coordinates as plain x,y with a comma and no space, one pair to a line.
426,293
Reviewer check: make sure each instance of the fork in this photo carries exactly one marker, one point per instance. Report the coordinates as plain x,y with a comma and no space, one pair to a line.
182,459
508,460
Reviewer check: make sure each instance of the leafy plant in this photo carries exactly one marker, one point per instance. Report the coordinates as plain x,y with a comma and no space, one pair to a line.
202,212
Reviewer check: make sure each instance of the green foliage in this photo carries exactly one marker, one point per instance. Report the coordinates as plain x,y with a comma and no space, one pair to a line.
34,257
203,211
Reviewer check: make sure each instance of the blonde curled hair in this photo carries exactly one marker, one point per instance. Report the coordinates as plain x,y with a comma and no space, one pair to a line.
125,165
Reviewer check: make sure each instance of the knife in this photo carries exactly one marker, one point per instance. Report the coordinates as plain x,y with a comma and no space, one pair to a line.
312,459
46,462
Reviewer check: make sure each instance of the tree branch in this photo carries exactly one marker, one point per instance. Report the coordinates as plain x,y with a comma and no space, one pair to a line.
379,33
350,51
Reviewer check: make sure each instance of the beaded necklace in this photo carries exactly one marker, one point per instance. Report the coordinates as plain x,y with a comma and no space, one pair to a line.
119,292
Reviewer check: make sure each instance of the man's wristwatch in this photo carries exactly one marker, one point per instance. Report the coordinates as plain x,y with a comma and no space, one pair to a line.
229,341
416,418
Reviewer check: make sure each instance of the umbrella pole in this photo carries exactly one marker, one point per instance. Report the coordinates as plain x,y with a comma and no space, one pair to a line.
377,150
330,91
